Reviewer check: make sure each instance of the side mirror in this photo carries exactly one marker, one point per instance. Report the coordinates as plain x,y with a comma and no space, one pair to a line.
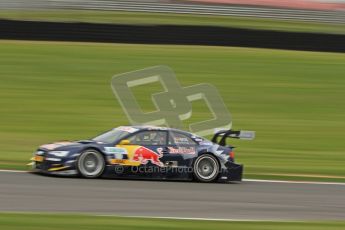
124,142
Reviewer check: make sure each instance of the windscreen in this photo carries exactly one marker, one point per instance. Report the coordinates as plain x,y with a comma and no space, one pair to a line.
111,136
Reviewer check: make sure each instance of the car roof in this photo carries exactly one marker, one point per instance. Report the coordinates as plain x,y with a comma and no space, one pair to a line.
152,128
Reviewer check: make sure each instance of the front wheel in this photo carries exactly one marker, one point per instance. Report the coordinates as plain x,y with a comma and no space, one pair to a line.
91,164
206,168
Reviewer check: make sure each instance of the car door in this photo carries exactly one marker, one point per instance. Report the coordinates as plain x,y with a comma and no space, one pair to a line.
149,147
182,149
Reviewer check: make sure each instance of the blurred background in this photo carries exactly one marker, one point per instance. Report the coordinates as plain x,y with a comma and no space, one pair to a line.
279,65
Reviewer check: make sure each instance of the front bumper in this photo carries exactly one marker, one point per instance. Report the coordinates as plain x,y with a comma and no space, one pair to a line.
41,165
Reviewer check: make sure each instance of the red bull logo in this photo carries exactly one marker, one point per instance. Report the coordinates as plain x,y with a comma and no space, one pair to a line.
144,155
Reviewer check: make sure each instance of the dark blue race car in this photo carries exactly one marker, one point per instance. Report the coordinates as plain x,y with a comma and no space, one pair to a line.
144,152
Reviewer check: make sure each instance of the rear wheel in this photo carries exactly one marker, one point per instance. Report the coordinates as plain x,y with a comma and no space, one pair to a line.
206,168
91,164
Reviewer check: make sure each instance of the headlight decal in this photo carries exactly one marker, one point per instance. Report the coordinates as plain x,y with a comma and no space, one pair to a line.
59,153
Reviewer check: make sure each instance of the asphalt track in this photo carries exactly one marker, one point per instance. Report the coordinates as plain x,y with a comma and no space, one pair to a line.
249,200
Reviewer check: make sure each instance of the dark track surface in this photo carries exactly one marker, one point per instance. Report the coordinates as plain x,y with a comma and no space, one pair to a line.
247,200
170,34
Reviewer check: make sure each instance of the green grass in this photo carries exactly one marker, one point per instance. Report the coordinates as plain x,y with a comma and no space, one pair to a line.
171,19
12,221
54,91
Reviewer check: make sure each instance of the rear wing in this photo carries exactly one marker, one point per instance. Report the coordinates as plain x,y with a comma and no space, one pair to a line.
242,134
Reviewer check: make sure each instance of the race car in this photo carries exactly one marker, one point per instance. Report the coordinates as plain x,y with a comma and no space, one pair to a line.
144,152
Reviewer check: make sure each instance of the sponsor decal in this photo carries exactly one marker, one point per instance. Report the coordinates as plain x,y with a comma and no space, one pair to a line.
124,162
182,150
181,140
145,155
118,161
135,155
179,150
116,151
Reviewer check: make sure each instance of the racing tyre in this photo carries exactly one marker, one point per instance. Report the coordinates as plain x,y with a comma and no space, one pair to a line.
91,164
206,168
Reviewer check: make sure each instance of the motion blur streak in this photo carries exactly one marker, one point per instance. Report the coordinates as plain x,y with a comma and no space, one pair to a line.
186,8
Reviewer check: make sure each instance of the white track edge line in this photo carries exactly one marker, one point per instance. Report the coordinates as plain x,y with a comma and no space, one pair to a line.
198,218
13,171
294,182
156,217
